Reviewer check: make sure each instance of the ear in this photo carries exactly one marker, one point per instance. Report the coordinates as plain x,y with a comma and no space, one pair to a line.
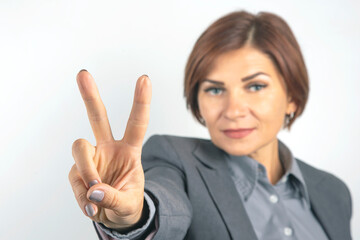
291,107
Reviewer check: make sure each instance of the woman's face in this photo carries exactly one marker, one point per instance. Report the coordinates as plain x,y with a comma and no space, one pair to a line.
243,101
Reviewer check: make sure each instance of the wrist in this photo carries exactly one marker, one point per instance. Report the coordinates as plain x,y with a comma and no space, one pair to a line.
139,220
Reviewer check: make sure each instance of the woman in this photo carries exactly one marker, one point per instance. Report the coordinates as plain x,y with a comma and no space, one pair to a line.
245,80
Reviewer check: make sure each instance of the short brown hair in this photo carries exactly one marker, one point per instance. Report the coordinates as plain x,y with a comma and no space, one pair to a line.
266,32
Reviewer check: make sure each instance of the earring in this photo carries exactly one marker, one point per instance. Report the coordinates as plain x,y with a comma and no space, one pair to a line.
288,118
202,121
291,115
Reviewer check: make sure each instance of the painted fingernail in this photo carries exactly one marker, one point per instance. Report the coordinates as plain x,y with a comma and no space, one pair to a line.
97,196
89,210
92,183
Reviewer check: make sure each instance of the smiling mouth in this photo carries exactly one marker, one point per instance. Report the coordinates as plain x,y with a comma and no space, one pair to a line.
238,133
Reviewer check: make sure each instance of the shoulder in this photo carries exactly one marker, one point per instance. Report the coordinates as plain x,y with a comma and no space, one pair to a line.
326,183
169,149
171,143
172,139
315,175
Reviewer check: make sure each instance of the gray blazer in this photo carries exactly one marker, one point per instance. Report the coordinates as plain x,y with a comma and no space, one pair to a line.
197,198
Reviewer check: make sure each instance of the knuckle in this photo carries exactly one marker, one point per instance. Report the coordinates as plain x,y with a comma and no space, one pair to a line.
137,121
76,184
81,196
98,116
71,172
89,98
79,145
114,202
87,176
139,118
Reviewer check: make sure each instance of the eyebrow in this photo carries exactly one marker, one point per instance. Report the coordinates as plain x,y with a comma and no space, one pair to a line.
243,79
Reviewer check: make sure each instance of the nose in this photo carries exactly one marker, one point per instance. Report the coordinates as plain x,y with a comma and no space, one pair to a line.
236,106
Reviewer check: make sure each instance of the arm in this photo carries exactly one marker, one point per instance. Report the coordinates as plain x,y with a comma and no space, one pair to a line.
165,181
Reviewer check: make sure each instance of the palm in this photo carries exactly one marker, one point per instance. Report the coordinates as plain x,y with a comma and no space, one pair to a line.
119,165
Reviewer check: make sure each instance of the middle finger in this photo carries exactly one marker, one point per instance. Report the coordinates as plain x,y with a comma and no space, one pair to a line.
139,116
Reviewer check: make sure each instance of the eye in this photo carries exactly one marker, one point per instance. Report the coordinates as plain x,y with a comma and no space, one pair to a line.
256,87
214,90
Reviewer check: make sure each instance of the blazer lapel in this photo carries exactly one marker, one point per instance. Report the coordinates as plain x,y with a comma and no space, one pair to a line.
216,176
328,213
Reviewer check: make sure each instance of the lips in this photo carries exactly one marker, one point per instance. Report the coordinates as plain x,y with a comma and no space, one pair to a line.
238,133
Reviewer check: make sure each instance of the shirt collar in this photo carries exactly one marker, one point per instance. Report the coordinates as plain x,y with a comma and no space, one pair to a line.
245,171
292,169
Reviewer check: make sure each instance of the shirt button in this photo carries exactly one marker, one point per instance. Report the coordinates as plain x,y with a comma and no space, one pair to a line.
274,199
288,231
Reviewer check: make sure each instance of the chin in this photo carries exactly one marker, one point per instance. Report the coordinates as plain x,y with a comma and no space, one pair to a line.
237,152
234,147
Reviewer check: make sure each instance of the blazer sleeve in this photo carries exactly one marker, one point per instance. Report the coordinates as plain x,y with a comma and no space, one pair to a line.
146,232
165,182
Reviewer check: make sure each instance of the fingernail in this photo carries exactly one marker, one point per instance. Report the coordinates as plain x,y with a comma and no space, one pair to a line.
92,183
89,210
96,196
82,70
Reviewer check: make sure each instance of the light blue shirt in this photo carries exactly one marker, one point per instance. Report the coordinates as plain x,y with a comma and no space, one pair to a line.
280,211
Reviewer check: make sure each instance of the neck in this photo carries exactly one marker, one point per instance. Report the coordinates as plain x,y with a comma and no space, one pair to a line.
269,157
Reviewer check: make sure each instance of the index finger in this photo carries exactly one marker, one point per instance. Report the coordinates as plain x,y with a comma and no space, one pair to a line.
140,113
95,108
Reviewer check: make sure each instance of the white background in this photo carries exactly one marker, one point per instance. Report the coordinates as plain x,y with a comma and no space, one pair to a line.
43,44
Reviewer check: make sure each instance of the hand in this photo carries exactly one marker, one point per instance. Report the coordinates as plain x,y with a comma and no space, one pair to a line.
108,179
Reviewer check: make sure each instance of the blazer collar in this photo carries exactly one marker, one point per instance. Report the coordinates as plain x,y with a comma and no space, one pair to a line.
323,204
209,154
222,189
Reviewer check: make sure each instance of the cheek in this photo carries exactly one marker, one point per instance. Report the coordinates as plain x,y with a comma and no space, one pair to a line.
209,109
270,108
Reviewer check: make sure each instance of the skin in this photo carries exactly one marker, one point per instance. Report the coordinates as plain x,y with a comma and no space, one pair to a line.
260,103
114,164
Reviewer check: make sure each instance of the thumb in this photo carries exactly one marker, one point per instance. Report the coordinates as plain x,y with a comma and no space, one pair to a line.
122,203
